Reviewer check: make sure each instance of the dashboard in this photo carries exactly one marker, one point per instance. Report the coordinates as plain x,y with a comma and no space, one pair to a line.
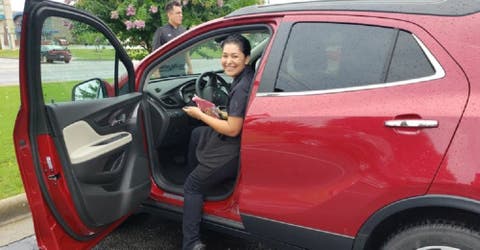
173,93
186,92
166,98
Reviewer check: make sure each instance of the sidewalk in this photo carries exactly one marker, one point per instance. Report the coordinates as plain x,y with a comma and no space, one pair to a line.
15,219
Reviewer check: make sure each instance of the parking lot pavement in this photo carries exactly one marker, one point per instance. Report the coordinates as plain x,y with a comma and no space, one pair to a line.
146,231
28,243
140,231
15,219
18,234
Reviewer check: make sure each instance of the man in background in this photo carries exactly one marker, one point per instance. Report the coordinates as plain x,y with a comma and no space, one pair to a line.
174,66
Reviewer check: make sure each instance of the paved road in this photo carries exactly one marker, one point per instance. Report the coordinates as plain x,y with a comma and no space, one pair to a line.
57,71
75,70
146,231
8,71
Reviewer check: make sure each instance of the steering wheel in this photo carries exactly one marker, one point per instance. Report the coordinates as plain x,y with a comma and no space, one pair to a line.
215,89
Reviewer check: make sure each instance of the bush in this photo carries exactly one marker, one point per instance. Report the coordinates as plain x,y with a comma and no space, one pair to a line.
137,54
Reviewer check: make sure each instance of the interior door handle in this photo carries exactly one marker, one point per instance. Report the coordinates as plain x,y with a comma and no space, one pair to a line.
411,123
120,119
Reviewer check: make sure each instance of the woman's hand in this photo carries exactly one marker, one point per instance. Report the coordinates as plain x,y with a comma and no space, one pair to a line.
193,112
230,127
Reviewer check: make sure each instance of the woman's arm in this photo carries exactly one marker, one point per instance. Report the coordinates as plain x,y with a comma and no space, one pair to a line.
231,127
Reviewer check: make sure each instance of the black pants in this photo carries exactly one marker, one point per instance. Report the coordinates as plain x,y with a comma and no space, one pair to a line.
198,182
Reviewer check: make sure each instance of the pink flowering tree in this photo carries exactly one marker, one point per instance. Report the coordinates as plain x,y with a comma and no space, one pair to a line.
135,21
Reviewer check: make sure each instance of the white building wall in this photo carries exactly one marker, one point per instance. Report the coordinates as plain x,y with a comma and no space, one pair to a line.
7,27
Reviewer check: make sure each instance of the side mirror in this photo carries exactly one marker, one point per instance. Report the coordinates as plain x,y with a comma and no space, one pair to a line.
89,90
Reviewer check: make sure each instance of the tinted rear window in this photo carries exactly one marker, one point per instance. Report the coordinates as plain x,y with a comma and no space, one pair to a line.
321,56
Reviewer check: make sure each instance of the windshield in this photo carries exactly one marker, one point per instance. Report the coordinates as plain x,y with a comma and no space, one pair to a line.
203,57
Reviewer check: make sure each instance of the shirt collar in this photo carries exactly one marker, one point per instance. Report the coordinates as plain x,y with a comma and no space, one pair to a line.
173,27
245,71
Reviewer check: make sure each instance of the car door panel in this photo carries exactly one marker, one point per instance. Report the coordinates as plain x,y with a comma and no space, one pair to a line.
98,153
328,153
83,161
90,144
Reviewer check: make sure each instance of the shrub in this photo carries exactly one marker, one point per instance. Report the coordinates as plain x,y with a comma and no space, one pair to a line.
137,54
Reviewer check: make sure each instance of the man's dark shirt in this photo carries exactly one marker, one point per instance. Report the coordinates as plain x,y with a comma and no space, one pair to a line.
176,65
164,34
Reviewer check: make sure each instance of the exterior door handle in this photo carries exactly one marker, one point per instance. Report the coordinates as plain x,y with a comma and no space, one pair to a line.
411,123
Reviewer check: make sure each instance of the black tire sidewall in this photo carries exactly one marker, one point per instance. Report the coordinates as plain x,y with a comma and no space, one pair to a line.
448,235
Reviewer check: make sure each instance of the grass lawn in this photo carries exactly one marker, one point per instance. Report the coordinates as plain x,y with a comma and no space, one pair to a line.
59,92
9,53
78,54
92,54
10,180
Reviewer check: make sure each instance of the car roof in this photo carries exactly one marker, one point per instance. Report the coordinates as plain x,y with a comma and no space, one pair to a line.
426,7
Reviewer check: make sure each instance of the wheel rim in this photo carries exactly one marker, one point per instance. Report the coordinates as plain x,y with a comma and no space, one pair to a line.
438,248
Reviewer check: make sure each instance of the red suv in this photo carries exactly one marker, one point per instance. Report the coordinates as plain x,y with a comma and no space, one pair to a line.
360,131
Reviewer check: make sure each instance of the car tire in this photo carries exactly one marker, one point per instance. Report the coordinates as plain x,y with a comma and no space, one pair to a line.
67,61
49,61
434,236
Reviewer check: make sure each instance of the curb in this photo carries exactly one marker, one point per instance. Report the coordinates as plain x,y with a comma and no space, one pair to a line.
6,84
13,208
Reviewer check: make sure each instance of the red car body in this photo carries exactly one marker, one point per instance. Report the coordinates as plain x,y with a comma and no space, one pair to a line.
343,168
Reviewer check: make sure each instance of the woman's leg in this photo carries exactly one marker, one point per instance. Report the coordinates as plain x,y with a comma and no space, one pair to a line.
192,209
201,179
192,160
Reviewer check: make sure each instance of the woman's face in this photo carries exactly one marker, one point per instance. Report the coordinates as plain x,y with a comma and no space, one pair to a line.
233,59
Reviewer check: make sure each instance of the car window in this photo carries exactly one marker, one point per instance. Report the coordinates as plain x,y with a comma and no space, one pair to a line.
408,61
76,54
348,55
204,56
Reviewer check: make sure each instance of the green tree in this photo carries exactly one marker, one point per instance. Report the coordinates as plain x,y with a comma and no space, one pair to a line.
135,21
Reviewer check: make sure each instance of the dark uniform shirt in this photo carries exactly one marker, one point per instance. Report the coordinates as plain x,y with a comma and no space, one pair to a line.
174,66
238,96
164,34
215,149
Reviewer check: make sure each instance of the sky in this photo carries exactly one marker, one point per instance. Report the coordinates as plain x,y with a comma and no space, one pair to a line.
17,5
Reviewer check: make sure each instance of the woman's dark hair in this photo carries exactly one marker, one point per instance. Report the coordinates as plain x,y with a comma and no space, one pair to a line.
240,41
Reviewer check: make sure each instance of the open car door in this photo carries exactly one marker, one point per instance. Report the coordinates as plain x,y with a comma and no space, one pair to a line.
77,136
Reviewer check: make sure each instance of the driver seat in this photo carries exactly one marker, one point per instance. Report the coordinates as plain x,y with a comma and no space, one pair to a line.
257,63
